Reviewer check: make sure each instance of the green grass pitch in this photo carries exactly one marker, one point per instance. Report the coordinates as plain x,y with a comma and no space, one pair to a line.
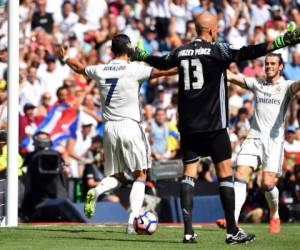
88,237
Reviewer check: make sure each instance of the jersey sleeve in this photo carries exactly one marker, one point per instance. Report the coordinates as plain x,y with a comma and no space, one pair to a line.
91,71
141,72
229,55
250,83
163,62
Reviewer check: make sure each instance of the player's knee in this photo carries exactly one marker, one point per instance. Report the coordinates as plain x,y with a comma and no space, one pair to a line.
191,170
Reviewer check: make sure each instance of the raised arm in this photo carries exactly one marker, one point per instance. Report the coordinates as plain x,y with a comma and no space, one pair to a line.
73,63
289,38
236,79
159,62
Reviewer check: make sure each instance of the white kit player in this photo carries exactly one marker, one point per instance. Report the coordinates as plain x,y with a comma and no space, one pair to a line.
264,144
125,144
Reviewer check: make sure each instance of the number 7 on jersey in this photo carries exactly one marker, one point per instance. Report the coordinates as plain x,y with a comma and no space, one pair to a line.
113,82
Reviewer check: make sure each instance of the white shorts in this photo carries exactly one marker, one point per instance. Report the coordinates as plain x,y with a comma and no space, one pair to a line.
256,151
126,147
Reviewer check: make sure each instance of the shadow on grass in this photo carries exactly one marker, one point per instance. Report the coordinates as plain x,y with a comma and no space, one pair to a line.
69,230
150,240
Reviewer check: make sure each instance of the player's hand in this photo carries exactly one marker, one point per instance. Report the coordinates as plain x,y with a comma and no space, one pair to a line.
138,54
291,37
61,52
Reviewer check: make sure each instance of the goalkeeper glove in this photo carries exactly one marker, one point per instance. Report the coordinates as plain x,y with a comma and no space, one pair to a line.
291,37
138,54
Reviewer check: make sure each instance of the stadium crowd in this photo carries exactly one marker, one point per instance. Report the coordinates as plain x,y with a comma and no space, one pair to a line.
87,26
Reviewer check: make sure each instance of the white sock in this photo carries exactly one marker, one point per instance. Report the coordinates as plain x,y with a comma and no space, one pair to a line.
240,192
136,199
272,197
107,184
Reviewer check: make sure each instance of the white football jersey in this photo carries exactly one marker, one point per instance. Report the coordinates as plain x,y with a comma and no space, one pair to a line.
119,83
271,104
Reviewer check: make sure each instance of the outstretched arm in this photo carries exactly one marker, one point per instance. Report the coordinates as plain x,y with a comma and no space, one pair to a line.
158,73
73,63
159,62
289,38
236,79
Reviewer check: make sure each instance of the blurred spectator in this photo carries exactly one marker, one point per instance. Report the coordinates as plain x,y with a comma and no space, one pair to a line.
204,5
159,135
92,11
67,19
255,69
291,149
31,90
291,69
77,149
148,114
28,122
260,13
159,12
41,18
180,15
149,42
160,101
258,35
44,106
51,78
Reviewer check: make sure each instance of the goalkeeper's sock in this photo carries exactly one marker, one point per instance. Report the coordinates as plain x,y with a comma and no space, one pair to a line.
228,201
107,184
136,198
186,199
272,197
240,192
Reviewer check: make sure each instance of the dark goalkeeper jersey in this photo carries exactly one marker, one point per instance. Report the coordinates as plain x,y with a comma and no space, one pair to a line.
203,99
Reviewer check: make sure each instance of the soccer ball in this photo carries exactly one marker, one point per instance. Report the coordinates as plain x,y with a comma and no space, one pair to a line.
145,223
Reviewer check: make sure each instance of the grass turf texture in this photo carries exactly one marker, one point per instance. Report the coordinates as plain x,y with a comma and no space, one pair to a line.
79,236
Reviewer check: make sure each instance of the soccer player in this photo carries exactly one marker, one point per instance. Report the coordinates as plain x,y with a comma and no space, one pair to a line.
125,144
264,144
203,111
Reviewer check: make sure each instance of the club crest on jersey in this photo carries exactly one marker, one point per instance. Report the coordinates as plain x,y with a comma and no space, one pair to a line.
278,89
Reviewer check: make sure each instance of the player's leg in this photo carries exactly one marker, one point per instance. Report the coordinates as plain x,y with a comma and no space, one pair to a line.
240,192
222,160
191,149
240,189
136,197
187,185
107,184
111,168
136,157
272,165
272,197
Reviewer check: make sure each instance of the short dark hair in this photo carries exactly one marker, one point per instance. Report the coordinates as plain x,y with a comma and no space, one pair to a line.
276,55
121,45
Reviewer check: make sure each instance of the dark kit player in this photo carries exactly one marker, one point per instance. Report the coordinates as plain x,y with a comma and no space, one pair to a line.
203,111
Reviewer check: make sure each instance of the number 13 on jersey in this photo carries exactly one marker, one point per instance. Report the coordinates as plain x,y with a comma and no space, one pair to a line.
192,67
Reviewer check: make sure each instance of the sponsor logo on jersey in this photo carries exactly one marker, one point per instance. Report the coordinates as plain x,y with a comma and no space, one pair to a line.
267,100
